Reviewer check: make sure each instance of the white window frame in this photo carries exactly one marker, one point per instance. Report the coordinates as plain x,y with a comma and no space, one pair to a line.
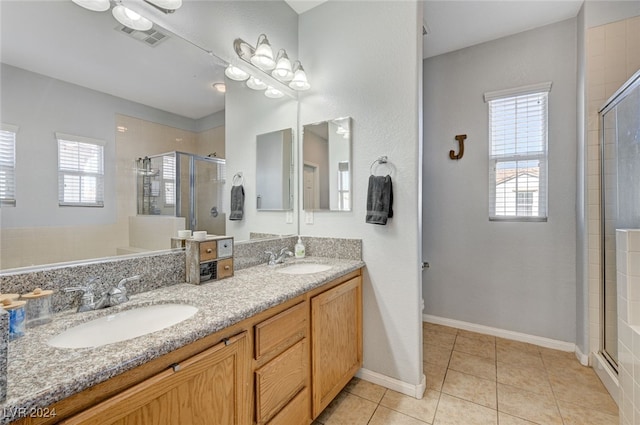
94,179
169,180
540,155
8,165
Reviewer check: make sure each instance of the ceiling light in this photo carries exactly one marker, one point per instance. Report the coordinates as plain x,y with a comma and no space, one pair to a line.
131,19
263,55
299,81
273,93
283,71
221,87
235,73
256,83
95,5
166,4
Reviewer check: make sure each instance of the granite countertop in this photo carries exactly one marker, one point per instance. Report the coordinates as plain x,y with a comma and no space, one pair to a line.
39,375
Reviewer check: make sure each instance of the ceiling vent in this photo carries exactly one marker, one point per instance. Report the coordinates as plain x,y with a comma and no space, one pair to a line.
150,37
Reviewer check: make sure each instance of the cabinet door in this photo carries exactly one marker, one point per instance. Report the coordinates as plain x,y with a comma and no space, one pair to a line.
336,333
208,388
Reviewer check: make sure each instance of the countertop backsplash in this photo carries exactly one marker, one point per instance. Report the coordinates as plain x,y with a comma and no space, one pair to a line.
159,269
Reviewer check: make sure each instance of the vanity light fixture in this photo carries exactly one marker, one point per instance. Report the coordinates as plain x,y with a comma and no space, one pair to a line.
131,19
299,81
236,73
283,71
263,55
94,5
273,93
256,83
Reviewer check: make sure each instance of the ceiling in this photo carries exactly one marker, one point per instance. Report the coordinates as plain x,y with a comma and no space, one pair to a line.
69,43
456,24
453,24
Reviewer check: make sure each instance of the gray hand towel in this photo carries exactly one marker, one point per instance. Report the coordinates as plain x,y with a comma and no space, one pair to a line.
379,200
237,203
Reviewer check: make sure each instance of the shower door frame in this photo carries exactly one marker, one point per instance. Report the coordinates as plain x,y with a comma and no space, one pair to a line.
610,104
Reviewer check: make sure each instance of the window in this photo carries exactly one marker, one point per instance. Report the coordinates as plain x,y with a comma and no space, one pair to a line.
168,179
80,171
518,153
8,164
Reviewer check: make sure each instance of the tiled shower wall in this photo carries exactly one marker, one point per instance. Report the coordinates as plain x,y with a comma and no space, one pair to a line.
613,56
628,256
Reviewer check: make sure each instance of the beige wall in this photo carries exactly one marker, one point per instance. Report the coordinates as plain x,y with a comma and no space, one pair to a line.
613,56
24,246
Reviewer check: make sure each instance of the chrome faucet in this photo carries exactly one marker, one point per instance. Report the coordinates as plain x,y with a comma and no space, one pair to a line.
278,258
114,296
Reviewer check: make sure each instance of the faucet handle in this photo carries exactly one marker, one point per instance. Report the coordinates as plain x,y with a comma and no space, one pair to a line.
83,289
127,280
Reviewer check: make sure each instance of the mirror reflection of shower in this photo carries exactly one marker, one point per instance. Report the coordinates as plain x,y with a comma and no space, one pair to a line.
180,184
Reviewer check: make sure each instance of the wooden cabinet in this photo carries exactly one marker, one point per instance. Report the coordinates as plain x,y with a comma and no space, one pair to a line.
282,367
336,340
208,388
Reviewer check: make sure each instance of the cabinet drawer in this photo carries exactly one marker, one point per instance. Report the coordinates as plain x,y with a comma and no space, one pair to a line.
296,412
279,381
208,250
225,268
282,330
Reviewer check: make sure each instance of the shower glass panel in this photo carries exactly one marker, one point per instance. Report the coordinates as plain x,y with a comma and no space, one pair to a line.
183,185
620,197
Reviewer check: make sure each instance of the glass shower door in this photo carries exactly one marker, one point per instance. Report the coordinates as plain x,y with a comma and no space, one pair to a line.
620,198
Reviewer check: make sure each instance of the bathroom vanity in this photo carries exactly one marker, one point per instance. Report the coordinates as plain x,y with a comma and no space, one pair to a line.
264,348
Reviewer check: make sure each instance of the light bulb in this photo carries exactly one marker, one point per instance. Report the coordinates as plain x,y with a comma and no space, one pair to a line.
299,81
131,19
273,93
235,73
283,71
256,83
263,56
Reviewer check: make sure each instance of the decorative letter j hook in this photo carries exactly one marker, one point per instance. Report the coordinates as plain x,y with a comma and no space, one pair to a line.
460,138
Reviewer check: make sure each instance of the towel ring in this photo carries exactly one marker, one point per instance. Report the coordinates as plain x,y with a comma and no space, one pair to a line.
381,160
238,179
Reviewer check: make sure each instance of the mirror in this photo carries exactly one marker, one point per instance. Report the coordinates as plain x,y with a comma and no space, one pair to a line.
327,165
70,70
274,170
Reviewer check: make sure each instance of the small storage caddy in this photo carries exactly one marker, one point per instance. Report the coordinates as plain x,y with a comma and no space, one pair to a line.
209,259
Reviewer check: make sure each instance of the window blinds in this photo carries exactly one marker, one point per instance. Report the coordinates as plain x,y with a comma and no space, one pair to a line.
168,178
80,171
8,164
518,153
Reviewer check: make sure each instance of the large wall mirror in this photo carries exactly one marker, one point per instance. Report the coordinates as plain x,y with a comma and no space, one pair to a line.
142,95
274,170
327,165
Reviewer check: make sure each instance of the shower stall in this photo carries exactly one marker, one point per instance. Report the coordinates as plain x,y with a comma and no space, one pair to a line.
620,197
180,184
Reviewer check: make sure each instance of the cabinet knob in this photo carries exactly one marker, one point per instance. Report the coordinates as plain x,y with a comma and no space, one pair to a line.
209,250
227,267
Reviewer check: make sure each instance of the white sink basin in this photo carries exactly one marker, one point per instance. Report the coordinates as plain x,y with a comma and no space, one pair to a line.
304,268
124,325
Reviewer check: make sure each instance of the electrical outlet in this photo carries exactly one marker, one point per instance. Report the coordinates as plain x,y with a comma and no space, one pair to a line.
308,217
289,217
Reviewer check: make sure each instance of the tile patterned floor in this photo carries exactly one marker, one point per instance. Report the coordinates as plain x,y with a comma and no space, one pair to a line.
476,379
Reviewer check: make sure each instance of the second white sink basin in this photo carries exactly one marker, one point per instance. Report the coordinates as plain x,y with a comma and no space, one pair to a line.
304,268
122,326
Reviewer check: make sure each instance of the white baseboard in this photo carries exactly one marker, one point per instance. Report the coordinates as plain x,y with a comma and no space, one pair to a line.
582,358
502,333
416,391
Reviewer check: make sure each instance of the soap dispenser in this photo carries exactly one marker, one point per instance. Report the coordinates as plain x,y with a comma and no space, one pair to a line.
299,248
